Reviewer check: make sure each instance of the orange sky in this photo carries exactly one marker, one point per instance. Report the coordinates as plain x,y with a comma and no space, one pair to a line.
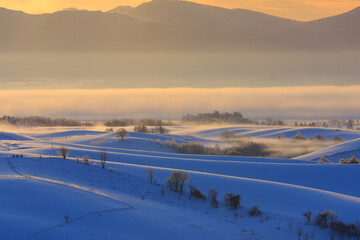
295,9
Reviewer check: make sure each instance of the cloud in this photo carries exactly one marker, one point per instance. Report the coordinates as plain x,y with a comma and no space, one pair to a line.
278,102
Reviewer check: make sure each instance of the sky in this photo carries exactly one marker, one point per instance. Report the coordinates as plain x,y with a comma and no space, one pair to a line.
315,102
294,9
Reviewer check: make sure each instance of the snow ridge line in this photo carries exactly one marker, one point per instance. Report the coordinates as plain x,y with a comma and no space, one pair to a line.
67,185
77,219
129,206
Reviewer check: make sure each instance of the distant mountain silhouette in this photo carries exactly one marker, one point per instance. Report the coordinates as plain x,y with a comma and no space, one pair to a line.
166,24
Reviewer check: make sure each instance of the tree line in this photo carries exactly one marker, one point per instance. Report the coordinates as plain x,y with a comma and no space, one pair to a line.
131,122
43,121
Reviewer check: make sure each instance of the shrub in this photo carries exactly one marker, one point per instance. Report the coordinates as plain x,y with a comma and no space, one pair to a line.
194,192
299,136
213,197
232,200
320,137
177,180
352,160
86,160
323,160
337,139
63,152
254,211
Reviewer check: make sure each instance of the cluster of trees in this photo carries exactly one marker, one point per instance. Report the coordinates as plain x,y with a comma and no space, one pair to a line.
177,180
63,152
226,117
329,219
352,160
349,124
155,130
216,117
43,121
131,122
246,148
318,137
273,122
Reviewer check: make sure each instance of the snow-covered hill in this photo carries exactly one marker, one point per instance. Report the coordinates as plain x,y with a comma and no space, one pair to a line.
41,192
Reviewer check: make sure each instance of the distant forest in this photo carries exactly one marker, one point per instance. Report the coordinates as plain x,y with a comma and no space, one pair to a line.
226,117
43,121
216,117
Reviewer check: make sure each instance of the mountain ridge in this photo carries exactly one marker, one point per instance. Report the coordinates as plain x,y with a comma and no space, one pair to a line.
173,25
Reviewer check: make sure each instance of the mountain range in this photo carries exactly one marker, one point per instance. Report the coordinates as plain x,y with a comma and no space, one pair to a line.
176,25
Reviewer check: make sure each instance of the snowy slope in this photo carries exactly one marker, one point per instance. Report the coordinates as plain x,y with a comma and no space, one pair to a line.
41,188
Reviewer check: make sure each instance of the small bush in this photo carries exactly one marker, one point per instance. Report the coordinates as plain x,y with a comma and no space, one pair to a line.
299,136
337,139
86,160
194,192
323,160
254,211
321,138
213,197
232,200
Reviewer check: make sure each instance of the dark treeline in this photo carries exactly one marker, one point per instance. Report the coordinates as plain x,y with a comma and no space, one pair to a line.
226,117
131,122
248,148
43,121
216,117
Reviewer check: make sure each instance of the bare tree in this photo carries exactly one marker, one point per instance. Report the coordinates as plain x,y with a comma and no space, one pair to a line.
177,180
150,174
212,195
307,216
63,152
104,156
121,133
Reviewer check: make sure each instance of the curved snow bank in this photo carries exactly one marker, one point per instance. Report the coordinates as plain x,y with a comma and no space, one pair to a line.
68,133
279,198
13,136
337,151
274,131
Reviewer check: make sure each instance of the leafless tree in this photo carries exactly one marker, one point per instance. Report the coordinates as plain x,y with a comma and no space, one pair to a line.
212,195
104,156
150,174
177,180
307,216
63,152
121,133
